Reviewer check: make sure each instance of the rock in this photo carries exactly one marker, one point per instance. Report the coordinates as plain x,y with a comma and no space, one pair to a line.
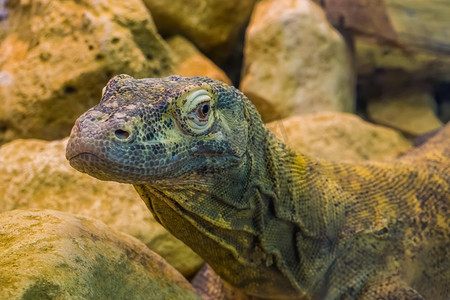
47,254
190,62
36,174
210,286
421,25
58,55
339,136
295,61
413,36
361,17
411,111
371,56
397,44
213,25
414,23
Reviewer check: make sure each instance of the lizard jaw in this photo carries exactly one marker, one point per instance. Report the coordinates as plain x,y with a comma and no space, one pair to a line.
93,165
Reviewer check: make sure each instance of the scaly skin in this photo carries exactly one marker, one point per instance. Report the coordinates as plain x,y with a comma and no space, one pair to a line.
271,222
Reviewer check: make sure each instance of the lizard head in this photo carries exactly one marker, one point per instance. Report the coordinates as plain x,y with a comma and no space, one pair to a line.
152,129
194,148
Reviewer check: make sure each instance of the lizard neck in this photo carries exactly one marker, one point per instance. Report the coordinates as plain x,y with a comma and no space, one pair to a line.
274,224
288,214
222,221
228,219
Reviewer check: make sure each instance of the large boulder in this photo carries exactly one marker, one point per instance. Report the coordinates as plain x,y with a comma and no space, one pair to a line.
190,62
403,35
295,62
213,25
339,136
421,25
56,56
54,255
35,174
371,56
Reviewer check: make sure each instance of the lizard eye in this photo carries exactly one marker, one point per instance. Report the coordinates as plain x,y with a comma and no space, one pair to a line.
203,110
199,110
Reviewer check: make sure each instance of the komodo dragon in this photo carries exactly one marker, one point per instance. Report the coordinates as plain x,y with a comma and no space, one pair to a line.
271,222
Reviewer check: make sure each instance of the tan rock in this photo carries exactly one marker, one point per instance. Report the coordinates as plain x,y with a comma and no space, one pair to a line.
413,23
339,136
35,174
295,61
417,65
421,25
56,56
190,62
54,255
360,16
395,34
411,111
210,286
213,25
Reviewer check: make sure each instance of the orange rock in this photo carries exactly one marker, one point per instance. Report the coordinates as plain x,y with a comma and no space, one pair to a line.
190,62
212,25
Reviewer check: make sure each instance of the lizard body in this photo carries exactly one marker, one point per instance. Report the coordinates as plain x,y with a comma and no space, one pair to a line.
271,222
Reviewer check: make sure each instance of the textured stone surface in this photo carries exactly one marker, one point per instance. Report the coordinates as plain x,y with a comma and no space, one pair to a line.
421,24
413,36
213,25
413,23
372,56
190,62
210,286
411,111
57,56
295,61
54,255
339,136
360,16
35,174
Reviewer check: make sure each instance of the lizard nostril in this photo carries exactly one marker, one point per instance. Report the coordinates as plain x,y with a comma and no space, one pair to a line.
122,134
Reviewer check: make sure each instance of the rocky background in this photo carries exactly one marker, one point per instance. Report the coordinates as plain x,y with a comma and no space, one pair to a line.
339,79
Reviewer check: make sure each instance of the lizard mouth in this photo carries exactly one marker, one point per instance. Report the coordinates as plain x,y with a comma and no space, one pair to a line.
104,169
86,157
81,155
89,163
110,170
